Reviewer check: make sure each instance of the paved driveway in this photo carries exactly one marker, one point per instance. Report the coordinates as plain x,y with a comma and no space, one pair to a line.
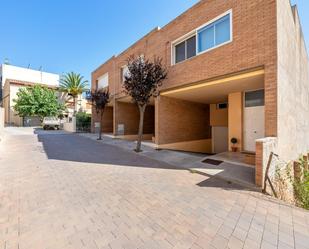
66,191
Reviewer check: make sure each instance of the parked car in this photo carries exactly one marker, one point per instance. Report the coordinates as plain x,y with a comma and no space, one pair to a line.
51,122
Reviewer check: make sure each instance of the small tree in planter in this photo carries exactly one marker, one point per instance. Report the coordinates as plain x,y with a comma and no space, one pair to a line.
234,141
100,98
141,83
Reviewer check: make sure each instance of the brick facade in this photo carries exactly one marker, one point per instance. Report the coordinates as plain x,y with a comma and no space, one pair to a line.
107,123
179,121
254,45
128,115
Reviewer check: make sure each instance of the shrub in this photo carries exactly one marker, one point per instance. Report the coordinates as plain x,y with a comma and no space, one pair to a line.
83,120
301,186
234,140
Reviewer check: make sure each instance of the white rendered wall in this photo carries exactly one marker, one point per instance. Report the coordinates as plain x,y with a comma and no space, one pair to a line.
293,85
28,75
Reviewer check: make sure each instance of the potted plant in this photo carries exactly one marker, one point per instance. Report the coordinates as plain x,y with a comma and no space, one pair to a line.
234,141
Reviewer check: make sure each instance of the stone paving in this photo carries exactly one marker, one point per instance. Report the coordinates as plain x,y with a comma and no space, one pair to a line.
60,190
234,172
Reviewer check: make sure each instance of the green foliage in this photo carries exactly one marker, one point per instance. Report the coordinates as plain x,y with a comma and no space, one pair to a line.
73,84
83,120
301,187
37,101
234,140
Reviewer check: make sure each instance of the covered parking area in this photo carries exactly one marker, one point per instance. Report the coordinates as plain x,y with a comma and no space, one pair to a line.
203,117
107,122
126,119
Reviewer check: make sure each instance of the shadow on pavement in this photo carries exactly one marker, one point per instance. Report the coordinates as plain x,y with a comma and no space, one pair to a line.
69,147
63,146
214,182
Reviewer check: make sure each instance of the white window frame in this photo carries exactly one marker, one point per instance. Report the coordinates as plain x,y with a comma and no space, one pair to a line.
122,72
101,77
254,90
195,32
183,39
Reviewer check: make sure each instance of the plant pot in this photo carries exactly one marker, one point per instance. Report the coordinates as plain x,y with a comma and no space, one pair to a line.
234,149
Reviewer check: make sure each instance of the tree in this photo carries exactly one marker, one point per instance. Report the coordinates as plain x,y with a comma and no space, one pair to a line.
73,84
100,98
141,83
37,101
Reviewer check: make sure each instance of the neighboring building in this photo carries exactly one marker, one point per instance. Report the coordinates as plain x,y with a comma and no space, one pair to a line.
82,105
12,79
236,69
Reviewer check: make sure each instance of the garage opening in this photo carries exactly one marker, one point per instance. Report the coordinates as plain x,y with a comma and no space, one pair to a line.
127,120
207,116
107,123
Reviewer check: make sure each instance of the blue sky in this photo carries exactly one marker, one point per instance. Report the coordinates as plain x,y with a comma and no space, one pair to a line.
79,35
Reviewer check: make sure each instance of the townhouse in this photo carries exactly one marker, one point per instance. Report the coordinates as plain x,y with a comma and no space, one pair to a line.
236,69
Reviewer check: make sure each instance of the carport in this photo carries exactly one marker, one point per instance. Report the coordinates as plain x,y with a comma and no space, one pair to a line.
204,116
126,119
108,117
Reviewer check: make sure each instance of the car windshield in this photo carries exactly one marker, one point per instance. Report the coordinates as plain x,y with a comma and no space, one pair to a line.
50,119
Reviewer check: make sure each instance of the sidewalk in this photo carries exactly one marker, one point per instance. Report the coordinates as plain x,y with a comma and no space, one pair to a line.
227,171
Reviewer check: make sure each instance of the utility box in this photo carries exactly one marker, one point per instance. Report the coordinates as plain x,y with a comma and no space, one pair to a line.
120,129
97,127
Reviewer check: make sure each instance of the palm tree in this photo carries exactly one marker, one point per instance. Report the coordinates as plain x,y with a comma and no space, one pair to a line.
73,84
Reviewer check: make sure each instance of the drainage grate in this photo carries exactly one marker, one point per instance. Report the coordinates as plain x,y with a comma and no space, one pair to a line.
212,161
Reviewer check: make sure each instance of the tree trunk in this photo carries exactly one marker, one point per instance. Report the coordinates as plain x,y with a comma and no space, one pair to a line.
141,127
74,106
101,125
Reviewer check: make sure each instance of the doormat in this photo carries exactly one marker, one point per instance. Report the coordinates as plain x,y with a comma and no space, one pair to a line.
212,161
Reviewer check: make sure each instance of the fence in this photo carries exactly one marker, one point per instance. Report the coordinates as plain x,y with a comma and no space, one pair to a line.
83,122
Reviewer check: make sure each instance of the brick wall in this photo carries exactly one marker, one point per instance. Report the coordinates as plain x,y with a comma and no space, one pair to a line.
107,119
254,45
181,121
128,114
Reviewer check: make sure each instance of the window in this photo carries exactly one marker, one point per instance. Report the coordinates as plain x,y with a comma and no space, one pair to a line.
124,72
211,35
180,52
222,106
191,47
254,98
103,81
214,34
185,49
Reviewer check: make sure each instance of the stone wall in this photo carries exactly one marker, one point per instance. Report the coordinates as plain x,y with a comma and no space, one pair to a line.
264,147
293,85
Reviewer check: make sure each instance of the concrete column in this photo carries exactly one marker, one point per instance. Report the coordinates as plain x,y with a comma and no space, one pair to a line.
235,119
